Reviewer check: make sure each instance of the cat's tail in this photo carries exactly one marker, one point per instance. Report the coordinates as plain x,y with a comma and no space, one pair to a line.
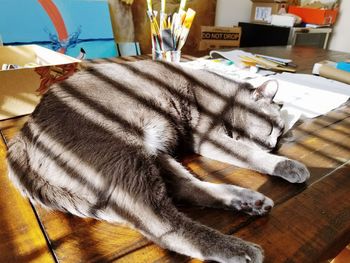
34,186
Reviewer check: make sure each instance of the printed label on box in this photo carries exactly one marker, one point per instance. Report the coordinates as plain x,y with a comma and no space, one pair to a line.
263,13
219,37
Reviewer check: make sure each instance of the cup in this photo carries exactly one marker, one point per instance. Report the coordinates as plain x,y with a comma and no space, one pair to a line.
170,56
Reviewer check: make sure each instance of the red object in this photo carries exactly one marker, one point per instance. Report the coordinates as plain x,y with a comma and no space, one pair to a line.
315,16
57,20
49,75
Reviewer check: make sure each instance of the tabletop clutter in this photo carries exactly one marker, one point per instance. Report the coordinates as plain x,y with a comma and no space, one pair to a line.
300,13
302,95
171,34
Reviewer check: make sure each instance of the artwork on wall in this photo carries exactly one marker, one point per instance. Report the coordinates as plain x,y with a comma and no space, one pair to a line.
61,25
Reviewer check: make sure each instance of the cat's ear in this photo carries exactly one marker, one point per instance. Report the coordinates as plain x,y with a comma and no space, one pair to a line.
267,90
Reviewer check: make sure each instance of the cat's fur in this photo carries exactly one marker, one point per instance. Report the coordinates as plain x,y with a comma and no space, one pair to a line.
103,144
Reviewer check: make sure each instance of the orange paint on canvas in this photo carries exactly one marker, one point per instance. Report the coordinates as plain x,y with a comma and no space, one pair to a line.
56,18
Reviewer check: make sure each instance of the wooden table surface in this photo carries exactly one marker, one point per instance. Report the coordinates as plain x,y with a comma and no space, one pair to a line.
309,223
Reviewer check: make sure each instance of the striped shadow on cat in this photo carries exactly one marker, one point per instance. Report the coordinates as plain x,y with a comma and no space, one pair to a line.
102,144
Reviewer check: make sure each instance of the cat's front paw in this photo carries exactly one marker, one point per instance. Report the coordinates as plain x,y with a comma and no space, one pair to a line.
255,254
292,171
252,202
252,254
241,252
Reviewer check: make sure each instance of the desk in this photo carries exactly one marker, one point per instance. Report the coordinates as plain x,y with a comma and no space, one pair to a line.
255,34
309,223
298,32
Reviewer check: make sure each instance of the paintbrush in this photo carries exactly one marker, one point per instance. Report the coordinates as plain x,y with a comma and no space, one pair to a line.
190,14
149,5
155,30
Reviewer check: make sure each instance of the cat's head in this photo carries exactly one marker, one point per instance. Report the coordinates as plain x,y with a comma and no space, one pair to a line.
256,119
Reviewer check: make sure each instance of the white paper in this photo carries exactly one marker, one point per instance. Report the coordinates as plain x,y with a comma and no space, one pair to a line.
222,67
232,55
306,96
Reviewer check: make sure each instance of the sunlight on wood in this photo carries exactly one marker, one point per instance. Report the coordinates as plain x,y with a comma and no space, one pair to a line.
21,239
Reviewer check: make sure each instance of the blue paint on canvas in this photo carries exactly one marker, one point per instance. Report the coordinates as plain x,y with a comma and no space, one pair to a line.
87,22
23,20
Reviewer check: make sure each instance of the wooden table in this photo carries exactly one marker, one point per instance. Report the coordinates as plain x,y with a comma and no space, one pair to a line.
309,223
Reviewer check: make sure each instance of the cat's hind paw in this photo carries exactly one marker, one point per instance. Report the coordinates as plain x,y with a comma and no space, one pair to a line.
252,203
292,171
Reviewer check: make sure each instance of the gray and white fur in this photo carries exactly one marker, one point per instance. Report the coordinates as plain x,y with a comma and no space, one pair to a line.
103,144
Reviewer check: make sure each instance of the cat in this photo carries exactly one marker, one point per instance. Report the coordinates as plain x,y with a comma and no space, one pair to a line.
103,144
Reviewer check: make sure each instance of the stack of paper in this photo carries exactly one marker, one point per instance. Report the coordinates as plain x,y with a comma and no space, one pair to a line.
226,68
306,96
245,59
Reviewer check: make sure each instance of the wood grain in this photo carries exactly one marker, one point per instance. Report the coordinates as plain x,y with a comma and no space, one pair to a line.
315,221
21,239
310,221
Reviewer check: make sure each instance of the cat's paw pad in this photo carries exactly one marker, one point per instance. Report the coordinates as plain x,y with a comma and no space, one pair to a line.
252,203
292,171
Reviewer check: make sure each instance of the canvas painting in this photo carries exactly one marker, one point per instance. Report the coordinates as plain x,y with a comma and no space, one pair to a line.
65,26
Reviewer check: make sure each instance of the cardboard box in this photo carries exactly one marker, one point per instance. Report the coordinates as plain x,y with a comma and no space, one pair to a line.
315,16
262,10
20,89
219,37
326,4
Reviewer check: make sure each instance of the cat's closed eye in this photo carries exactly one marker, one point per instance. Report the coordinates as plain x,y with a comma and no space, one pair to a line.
271,129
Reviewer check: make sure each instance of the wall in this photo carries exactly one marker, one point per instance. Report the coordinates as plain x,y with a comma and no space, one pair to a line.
230,12
340,40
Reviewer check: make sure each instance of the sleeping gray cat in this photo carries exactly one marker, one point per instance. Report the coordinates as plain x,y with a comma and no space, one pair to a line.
103,143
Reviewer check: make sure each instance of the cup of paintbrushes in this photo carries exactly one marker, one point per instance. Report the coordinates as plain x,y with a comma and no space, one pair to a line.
170,55
169,38
168,50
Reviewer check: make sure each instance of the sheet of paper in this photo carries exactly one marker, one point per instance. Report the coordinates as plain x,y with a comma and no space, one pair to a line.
222,67
232,55
306,96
